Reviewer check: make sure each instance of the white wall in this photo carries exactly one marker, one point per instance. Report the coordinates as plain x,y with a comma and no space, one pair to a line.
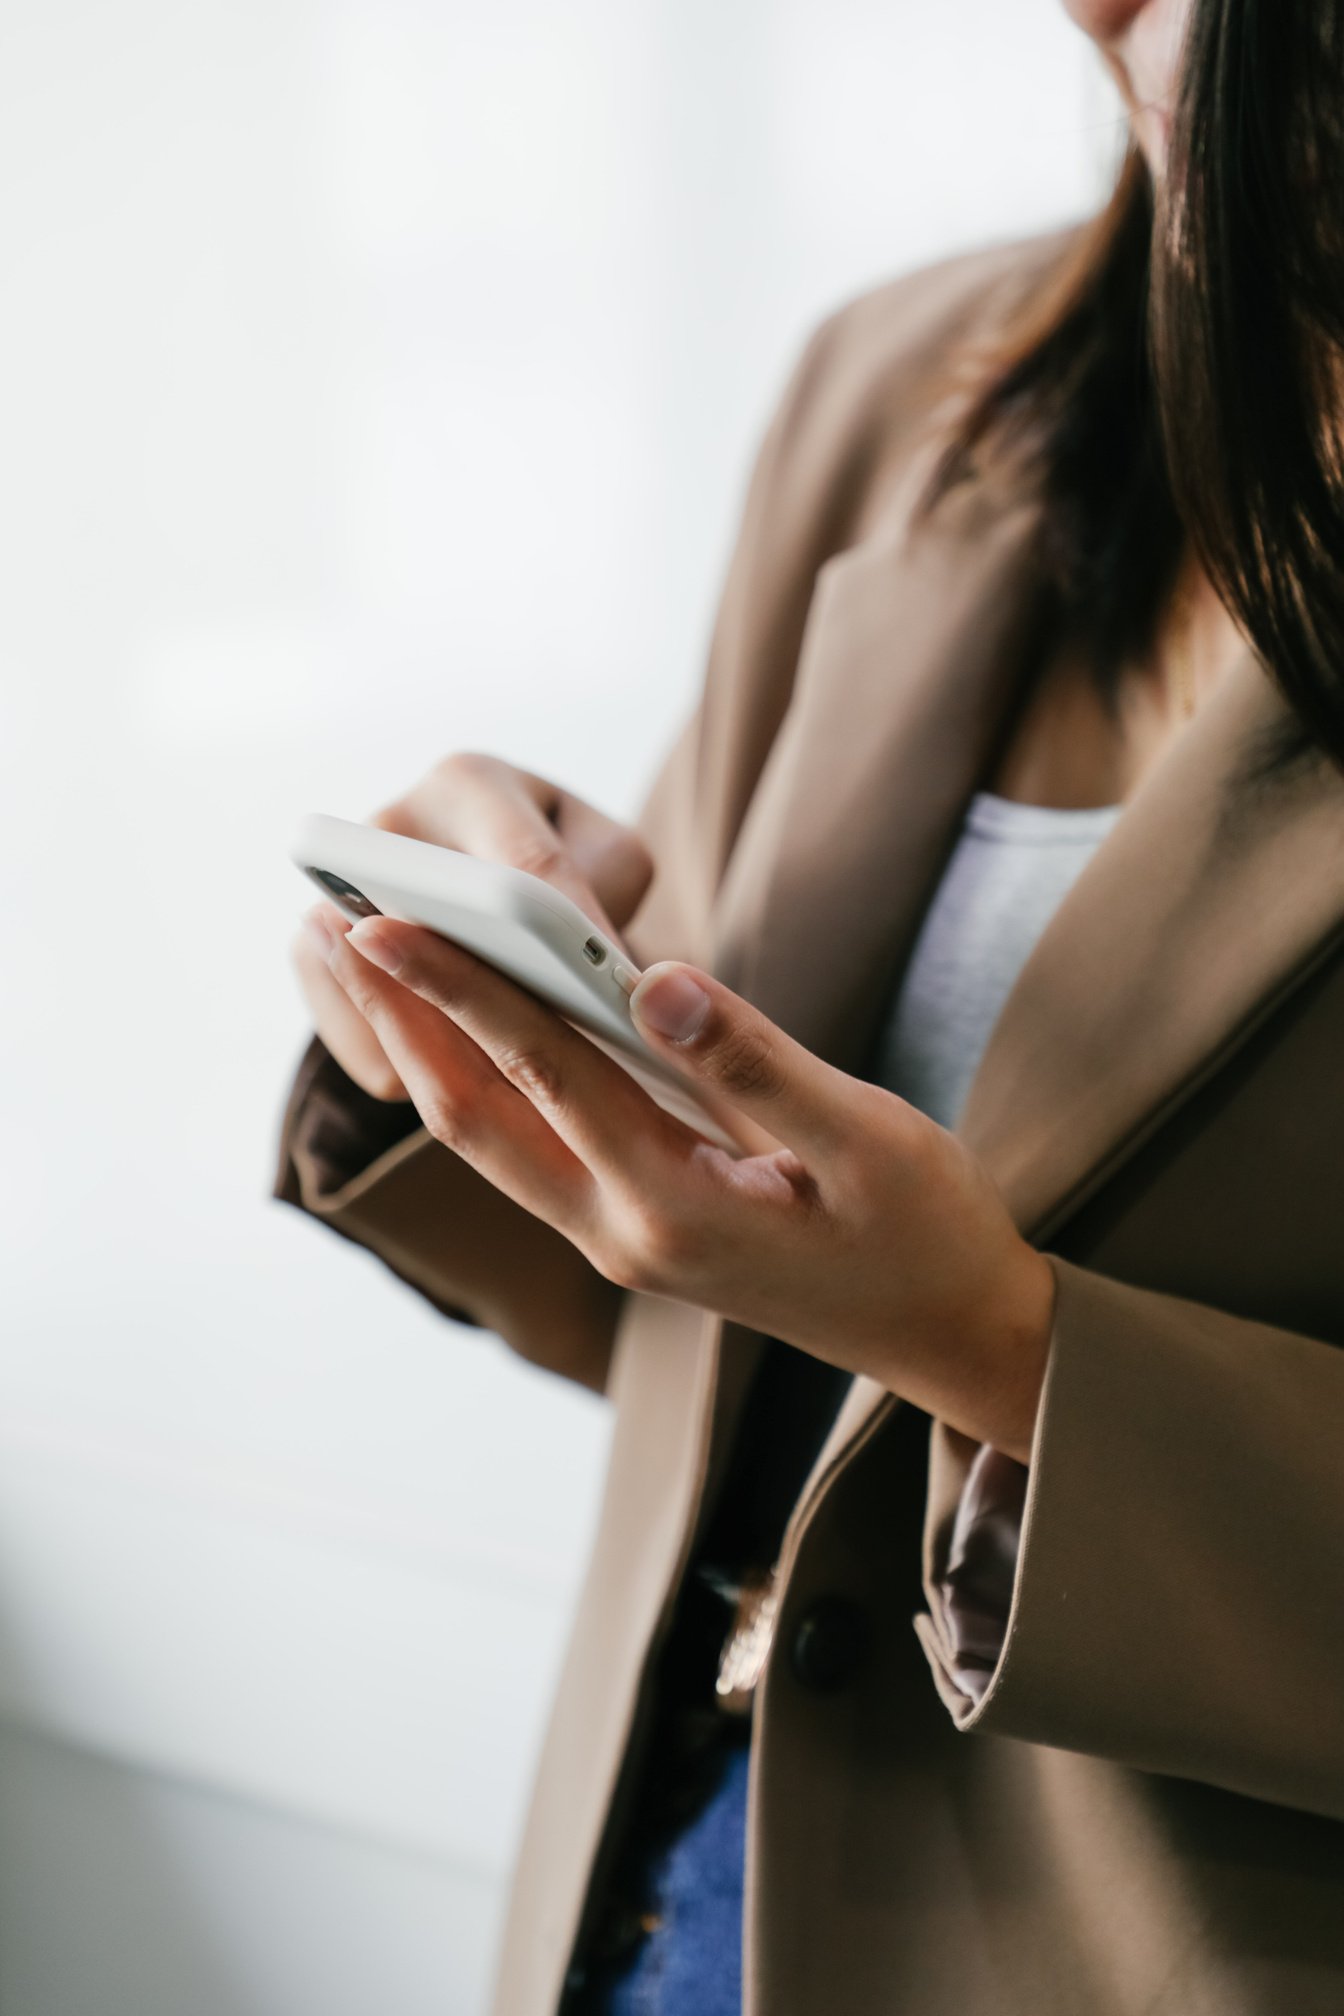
376,377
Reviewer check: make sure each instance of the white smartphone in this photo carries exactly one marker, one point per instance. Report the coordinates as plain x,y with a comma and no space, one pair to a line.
528,930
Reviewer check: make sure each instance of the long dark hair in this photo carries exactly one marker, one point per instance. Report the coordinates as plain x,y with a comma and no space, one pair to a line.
1182,377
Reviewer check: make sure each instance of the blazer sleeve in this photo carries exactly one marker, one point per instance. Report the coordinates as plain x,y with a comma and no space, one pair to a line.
1177,1598
367,1169
978,1565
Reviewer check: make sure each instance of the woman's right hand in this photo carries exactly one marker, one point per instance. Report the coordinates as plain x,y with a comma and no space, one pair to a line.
484,806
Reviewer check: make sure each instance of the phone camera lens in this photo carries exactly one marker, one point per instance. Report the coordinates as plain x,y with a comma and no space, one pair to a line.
344,894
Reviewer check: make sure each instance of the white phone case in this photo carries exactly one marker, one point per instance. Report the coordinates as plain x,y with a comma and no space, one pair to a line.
518,923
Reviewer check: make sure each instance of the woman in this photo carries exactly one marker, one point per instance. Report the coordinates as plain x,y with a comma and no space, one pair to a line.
999,879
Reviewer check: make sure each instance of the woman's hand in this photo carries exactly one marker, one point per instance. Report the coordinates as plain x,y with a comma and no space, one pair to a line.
486,807
872,1237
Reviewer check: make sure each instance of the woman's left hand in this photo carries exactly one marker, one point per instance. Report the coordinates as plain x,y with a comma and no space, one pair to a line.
872,1238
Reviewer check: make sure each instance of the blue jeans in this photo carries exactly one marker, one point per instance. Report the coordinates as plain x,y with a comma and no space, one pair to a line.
690,1964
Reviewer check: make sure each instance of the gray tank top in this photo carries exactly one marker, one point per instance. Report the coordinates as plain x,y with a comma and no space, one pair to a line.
1012,865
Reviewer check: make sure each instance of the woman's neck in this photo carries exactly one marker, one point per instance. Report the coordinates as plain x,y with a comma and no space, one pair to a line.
1212,641
1066,749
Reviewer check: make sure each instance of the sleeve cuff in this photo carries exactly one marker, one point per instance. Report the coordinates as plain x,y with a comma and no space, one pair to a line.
333,1130
352,1161
1173,1603
976,1581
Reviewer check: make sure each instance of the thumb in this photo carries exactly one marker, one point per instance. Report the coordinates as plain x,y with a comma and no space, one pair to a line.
715,1037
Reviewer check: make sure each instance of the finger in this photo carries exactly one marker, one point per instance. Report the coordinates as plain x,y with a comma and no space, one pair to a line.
335,1017
607,1120
489,809
608,855
467,1103
719,1040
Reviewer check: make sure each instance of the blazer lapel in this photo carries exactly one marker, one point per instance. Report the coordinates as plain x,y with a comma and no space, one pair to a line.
1199,910
905,668
909,660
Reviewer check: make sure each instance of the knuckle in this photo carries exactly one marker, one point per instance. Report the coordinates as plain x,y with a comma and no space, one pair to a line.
393,818
380,1081
649,1249
541,855
634,854
617,1264
459,764
627,1266
620,872
447,1118
534,1073
744,1059
450,773
919,1143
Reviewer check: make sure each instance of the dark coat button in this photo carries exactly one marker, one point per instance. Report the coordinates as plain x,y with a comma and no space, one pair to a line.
830,1642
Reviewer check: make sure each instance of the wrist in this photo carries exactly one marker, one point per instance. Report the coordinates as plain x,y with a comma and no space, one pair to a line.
1028,1312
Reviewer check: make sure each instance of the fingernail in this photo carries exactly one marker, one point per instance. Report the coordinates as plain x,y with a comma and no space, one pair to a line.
379,951
671,1004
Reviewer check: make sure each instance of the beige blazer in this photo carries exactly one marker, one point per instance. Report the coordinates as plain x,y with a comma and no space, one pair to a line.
1142,1815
